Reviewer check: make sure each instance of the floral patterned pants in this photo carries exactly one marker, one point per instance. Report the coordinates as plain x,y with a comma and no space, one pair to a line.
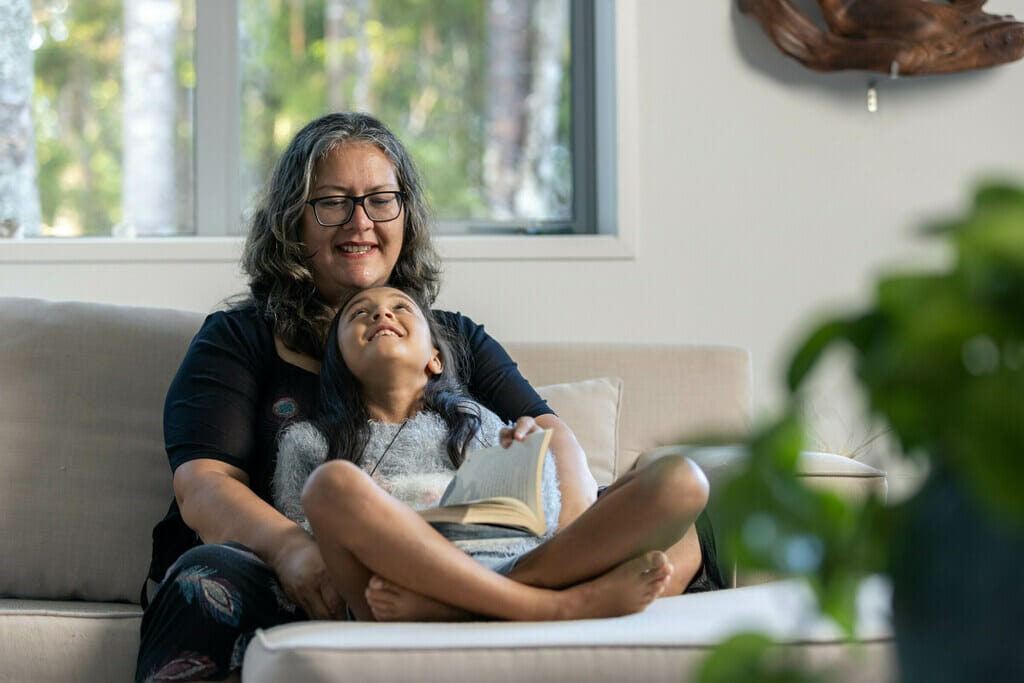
203,615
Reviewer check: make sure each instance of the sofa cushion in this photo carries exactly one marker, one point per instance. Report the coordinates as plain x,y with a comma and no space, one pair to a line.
55,641
591,409
844,476
82,461
666,642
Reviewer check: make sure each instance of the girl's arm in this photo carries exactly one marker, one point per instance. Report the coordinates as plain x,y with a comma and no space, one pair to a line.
575,482
494,380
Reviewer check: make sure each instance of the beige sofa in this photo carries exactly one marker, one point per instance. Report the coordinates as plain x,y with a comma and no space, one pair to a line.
83,478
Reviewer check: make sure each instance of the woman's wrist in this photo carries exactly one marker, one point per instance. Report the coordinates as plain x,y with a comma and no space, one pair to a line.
283,546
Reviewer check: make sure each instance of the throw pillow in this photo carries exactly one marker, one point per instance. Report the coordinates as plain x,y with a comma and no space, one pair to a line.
591,409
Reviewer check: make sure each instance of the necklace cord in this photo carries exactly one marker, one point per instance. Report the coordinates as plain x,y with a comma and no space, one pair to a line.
387,449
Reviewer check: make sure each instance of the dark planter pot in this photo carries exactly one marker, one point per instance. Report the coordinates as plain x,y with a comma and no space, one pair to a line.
958,602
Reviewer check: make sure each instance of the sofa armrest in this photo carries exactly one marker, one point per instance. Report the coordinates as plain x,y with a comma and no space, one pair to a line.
839,474
827,471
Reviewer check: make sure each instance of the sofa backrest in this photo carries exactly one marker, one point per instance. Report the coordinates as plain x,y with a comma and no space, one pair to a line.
84,476
670,393
82,466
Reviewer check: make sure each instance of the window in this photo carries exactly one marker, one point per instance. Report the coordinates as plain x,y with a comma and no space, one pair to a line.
145,123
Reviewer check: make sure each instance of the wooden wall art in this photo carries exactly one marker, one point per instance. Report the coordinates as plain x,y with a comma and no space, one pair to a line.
898,37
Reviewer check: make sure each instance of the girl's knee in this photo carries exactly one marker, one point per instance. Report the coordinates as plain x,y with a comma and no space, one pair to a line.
677,485
336,483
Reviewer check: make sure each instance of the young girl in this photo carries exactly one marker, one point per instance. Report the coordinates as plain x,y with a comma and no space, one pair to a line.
413,459
389,405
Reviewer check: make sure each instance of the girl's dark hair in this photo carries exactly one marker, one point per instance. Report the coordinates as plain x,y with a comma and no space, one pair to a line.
342,415
280,279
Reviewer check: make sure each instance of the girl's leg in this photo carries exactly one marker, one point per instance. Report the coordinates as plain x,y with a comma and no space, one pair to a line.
653,508
391,602
649,509
361,530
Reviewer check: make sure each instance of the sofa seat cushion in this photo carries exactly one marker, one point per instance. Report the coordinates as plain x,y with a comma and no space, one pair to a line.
56,641
664,643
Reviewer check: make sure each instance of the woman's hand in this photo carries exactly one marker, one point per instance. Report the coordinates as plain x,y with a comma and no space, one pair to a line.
517,432
301,570
216,501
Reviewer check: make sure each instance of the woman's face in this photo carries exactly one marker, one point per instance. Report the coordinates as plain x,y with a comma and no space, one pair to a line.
383,333
360,253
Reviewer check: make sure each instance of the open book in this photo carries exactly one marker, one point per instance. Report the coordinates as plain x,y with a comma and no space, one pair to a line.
500,486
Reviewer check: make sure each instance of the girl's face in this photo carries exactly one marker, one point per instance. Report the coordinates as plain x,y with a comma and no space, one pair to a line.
383,333
361,252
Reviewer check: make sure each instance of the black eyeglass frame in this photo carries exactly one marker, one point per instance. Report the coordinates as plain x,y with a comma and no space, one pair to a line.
399,197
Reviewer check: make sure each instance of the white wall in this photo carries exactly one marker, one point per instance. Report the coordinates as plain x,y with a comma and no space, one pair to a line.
762,193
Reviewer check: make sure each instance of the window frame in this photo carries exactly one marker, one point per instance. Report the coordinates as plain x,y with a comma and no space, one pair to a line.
614,161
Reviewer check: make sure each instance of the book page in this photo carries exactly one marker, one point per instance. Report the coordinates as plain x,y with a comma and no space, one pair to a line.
513,472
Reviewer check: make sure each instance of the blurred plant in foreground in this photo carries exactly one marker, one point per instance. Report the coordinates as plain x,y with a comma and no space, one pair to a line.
941,357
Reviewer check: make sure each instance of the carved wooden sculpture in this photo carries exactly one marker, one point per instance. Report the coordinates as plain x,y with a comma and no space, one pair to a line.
905,37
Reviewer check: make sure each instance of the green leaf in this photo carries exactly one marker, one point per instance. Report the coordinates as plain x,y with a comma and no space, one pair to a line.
754,657
810,351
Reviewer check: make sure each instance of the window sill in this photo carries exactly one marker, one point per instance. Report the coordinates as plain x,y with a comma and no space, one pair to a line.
229,249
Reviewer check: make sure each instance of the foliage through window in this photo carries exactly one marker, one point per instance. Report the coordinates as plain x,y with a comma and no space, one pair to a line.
494,98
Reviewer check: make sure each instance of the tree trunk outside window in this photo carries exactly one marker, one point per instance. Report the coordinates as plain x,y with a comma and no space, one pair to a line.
508,64
348,61
149,198
540,176
19,200
526,50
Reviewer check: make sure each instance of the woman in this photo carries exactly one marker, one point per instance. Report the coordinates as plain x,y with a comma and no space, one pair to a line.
343,210
393,426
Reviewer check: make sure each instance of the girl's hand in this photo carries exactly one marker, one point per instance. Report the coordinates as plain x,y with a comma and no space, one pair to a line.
523,426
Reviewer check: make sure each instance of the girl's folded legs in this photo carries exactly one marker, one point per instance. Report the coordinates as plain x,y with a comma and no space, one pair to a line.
625,589
360,526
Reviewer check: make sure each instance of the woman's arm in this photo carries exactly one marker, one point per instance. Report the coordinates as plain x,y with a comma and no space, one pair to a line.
210,427
216,501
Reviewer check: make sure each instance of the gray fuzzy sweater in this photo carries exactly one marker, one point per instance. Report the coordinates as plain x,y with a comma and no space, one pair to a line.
410,462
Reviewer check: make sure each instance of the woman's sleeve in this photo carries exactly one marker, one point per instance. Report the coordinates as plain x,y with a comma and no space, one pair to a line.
210,409
493,378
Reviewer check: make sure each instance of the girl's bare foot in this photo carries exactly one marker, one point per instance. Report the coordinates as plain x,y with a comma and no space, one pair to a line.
391,602
626,589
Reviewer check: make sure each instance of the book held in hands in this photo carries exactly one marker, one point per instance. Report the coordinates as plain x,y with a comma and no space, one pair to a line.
500,486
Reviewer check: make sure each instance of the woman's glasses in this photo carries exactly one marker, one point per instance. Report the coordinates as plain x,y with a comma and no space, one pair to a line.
379,207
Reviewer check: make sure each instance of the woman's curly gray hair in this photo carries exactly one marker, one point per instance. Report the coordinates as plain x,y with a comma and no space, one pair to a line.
280,279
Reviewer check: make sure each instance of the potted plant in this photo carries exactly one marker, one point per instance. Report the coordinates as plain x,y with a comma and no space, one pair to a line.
940,356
